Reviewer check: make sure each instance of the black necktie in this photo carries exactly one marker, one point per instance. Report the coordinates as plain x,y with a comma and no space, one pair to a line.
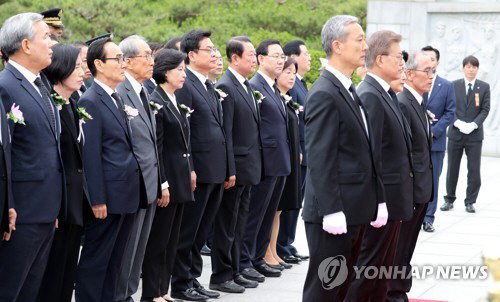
352,89
213,96
47,101
250,94
118,100
278,95
304,83
469,93
145,103
425,99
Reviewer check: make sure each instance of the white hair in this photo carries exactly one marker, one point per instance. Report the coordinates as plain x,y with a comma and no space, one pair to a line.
335,29
17,28
129,45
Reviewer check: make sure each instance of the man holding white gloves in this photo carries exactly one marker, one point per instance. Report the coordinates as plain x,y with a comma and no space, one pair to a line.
473,106
343,186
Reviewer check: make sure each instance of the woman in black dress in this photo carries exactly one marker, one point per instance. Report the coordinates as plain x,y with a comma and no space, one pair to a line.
172,128
290,198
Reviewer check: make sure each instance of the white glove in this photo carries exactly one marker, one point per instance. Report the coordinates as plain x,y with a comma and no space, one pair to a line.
335,223
467,128
382,216
459,124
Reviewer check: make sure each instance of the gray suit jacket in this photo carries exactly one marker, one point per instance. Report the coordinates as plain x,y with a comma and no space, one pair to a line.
143,140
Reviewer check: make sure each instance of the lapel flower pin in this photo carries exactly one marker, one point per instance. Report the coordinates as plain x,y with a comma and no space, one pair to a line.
286,97
258,96
131,112
58,100
16,115
83,115
186,109
155,107
222,94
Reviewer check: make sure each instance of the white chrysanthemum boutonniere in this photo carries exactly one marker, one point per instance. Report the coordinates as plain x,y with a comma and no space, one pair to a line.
155,107
222,94
83,115
431,116
16,115
296,106
286,97
258,96
130,111
58,100
186,109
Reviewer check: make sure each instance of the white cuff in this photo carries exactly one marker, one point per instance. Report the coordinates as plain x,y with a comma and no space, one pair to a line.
164,185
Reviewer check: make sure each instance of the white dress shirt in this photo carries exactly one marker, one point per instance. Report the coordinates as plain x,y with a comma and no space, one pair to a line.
200,77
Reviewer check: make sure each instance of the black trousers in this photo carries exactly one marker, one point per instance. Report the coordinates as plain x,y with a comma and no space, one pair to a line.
60,275
23,260
228,231
197,219
473,153
101,257
378,249
336,275
161,250
408,236
288,224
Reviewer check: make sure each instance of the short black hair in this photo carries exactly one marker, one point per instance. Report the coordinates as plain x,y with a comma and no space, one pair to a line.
191,41
172,43
430,48
63,63
404,53
293,47
96,52
470,60
235,46
155,46
165,60
264,47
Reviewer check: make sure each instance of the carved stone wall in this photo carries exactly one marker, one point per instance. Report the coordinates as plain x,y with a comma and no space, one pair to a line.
457,29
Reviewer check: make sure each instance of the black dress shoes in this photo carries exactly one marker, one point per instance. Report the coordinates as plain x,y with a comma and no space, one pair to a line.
469,208
203,291
189,295
252,274
276,266
292,259
267,271
205,250
228,287
428,227
286,265
240,280
301,257
447,206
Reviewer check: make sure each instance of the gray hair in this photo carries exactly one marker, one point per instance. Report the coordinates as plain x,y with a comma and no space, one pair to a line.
129,45
335,29
413,61
380,43
17,28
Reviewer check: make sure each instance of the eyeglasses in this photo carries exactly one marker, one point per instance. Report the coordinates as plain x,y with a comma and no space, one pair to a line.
211,50
398,57
119,59
148,56
277,57
429,72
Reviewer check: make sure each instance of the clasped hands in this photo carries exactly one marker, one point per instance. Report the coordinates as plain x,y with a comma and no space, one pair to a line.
336,223
465,128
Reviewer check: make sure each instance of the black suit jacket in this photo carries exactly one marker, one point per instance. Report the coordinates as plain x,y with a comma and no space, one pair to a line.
392,147
470,110
242,128
37,170
423,184
299,95
6,199
341,174
174,151
273,130
208,141
77,206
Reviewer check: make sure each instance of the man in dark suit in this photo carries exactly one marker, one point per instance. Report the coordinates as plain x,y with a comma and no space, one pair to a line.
8,213
297,50
342,186
37,179
276,155
392,150
138,68
440,101
209,158
420,71
112,172
473,106
242,127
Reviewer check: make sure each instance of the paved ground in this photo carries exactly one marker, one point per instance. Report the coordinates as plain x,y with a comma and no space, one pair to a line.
459,239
